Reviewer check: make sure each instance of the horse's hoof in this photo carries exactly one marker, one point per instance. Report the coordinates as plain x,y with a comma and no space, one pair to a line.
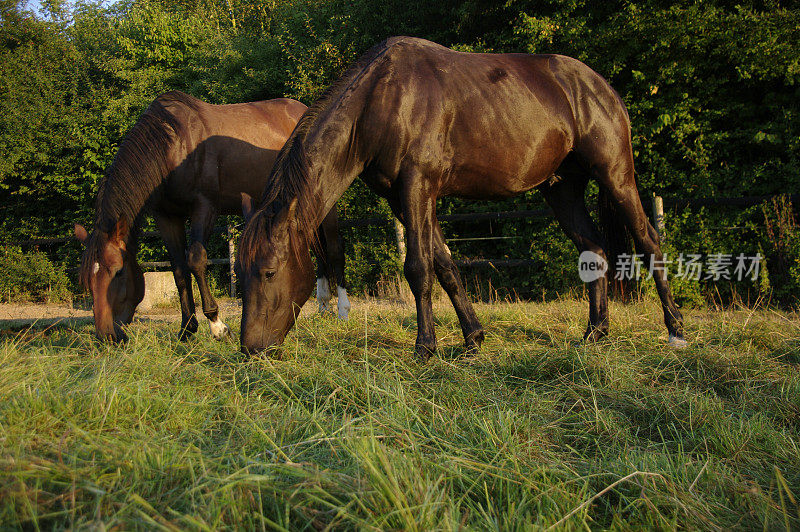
593,335
424,353
187,331
219,330
677,342
474,341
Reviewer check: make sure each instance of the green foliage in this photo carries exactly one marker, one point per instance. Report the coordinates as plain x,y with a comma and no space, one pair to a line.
783,250
30,276
711,88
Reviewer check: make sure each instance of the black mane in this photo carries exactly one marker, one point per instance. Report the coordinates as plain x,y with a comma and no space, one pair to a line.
139,167
289,177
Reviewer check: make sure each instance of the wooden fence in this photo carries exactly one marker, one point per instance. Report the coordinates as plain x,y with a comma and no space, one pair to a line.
656,204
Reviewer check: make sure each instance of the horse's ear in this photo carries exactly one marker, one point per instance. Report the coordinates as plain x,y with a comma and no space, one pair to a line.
120,232
81,233
247,206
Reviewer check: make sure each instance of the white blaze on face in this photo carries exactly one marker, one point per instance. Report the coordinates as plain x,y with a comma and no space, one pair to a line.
96,268
323,294
343,303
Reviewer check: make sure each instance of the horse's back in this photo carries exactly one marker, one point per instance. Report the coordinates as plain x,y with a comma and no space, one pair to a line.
562,84
490,124
222,150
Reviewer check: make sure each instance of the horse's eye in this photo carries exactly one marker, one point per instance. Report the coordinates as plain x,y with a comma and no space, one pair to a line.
269,274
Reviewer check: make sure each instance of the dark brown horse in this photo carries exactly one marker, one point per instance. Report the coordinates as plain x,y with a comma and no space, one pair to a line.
186,159
418,121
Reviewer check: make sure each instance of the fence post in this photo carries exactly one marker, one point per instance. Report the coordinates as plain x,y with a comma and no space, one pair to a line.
232,258
658,217
400,234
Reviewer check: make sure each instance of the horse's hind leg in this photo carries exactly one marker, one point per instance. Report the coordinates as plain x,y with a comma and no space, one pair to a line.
203,218
566,198
619,182
171,230
334,260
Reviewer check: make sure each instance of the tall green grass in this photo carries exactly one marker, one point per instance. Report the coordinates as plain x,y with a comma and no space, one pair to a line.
349,431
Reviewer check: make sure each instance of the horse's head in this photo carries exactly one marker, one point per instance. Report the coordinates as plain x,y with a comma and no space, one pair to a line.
114,278
274,266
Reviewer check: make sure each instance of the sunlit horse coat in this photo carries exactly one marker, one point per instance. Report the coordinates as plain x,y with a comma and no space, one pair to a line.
418,121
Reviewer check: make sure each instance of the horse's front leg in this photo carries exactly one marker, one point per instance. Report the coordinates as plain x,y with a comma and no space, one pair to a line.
203,218
419,213
171,230
332,261
450,279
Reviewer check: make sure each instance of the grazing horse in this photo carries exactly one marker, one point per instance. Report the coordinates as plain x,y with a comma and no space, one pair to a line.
418,121
187,159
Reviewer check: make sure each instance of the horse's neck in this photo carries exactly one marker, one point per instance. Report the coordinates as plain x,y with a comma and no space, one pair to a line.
132,242
335,166
129,190
142,165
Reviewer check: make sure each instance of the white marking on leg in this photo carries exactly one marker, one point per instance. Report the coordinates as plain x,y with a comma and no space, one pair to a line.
323,294
96,268
218,329
343,303
676,342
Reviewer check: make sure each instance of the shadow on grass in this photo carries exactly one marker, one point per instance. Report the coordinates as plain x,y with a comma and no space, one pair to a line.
523,333
11,327
47,333
788,353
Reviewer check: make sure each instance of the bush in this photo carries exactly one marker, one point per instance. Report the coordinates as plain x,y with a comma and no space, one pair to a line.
31,277
783,250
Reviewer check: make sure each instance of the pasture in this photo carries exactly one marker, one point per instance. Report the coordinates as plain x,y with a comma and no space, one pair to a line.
348,430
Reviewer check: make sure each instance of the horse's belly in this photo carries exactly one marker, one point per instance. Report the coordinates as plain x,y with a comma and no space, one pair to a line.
491,184
500,171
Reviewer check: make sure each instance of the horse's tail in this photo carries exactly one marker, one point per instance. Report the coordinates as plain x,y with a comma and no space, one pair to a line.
617,239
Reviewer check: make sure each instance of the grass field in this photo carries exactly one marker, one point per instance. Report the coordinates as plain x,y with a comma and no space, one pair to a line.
349,431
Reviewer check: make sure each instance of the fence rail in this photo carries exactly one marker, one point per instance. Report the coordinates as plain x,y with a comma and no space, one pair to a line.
656,203
743,201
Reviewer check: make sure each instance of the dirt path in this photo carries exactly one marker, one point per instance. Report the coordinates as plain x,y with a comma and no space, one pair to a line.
18,315
15,316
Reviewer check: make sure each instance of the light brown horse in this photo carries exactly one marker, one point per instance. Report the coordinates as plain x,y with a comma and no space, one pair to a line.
186,159
417,121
